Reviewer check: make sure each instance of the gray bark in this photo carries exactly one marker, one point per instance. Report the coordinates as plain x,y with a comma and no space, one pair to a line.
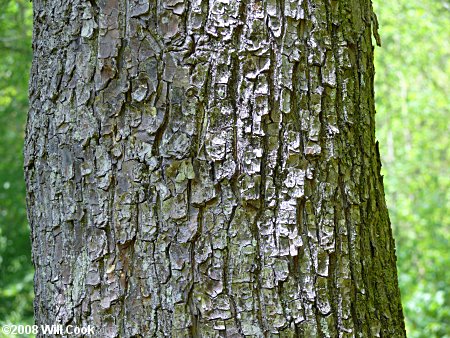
208,169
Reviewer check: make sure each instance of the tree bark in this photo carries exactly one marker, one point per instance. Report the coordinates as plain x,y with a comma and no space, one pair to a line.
208,169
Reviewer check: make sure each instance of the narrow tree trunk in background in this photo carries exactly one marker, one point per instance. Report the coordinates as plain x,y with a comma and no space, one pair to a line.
208,168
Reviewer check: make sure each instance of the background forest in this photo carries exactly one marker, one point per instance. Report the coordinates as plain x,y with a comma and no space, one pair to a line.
412,103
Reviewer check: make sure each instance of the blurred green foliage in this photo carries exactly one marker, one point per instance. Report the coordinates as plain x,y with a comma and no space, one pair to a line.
412,126
412,100
16,272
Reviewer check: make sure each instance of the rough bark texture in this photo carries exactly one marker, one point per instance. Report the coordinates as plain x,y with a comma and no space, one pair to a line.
208,169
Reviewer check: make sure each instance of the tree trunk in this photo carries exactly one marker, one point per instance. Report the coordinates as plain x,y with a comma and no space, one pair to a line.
208,169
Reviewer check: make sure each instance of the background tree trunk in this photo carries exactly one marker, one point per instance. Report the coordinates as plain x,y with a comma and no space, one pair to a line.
208,168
